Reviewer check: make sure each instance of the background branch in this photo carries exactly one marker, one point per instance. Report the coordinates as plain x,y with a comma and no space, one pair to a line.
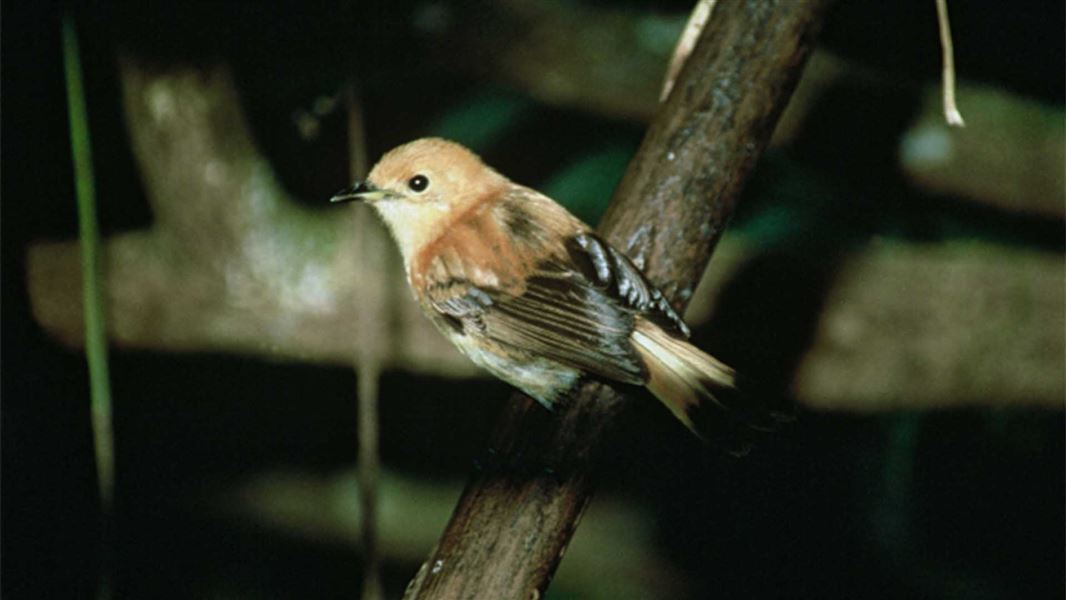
551,50
516,517
233,264
367,352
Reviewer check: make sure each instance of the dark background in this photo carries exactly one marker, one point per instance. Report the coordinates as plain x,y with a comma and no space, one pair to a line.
820,510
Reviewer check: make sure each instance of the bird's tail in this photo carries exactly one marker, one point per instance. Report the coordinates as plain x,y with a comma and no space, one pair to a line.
698,389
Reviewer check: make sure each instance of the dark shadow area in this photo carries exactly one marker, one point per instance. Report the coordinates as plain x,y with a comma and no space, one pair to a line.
765,320
993,40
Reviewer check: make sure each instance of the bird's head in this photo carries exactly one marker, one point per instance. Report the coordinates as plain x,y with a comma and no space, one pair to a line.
420,187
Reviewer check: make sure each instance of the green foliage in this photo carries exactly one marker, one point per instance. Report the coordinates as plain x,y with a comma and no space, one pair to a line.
95,330
482,119
586,185
92,298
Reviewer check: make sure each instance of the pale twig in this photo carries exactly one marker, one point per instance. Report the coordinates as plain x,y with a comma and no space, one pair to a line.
951,111
368,359
685,43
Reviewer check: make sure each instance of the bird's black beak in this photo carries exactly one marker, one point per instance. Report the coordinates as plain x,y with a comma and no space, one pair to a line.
363,191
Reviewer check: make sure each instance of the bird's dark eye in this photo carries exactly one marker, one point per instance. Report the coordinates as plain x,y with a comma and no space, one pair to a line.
418,183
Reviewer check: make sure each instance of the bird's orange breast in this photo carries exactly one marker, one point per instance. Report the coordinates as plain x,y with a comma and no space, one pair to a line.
477,248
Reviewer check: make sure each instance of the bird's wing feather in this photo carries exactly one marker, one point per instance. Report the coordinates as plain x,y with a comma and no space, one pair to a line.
576,303
612,271
558,316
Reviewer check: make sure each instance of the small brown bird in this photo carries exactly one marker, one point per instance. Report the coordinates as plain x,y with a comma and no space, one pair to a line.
528,291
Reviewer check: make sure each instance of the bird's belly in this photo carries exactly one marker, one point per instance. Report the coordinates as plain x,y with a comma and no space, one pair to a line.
541,378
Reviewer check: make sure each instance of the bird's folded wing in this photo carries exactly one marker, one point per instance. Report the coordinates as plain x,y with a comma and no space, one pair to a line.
526,275
559,316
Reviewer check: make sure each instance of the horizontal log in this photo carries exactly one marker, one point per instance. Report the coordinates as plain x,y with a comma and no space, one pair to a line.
1009,155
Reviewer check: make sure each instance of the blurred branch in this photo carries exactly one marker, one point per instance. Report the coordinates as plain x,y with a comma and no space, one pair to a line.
373,312
1010,156
965,302
234,265
231,263
515,519
904,326
553,50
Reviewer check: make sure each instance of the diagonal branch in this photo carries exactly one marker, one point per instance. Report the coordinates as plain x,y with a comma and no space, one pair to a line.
517,515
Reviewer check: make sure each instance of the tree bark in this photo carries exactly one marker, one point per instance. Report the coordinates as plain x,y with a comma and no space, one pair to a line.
519,511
